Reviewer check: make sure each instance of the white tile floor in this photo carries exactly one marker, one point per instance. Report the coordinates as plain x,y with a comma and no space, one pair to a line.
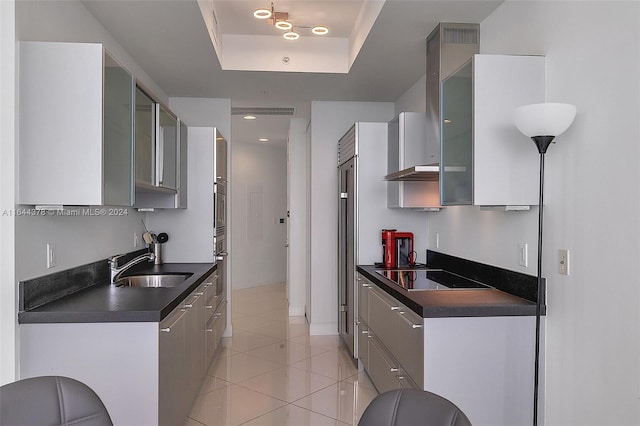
272,373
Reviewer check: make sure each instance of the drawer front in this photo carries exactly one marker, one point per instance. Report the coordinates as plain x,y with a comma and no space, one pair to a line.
221,321
364,288
410,349
382,317
363,344
382,370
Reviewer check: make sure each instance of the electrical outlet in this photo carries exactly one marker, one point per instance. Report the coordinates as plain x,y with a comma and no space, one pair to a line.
563,261
51,255
523,254
437,240
136,240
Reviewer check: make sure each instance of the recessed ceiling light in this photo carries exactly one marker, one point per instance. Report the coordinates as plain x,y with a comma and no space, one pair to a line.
320,30
264,139
262,13
283,25
249,117
291,35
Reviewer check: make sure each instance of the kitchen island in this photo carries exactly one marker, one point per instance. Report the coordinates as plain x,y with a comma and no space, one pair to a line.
144,351
474,346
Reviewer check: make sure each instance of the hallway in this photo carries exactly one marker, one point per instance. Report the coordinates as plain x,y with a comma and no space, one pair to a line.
272,373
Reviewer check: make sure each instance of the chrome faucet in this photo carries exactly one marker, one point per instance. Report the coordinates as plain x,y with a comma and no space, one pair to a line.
116,272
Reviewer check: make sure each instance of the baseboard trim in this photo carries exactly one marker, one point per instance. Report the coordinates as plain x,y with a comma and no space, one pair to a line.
296,311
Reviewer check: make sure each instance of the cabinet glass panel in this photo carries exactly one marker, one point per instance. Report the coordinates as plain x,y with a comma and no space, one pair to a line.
145,127
456,166
118,134
167,146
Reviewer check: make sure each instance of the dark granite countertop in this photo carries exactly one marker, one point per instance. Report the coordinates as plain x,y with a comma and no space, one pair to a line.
106,303
453,303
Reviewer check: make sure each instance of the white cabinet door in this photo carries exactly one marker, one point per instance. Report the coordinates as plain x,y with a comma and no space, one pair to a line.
485,159
76,126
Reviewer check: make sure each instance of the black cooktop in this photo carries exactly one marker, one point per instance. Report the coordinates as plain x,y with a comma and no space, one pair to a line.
425,279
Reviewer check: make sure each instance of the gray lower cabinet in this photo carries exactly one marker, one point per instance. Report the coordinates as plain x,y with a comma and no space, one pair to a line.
146,373
390,340
483,364
173,344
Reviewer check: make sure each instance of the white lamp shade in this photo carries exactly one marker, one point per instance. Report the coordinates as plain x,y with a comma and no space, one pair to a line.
548,119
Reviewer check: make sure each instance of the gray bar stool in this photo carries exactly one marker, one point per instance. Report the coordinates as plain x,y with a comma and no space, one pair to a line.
411,407
51,400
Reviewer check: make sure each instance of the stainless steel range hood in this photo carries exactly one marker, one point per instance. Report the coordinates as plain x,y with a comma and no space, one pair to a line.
449,46
420,173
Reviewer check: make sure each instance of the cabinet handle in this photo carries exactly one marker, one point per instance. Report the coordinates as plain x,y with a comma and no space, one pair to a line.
168,329
394,370
218,315
366,285
416,326
209,330
400,377
395,308
365,331
188,305
209,306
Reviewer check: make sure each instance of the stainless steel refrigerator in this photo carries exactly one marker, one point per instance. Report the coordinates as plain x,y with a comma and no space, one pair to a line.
363,213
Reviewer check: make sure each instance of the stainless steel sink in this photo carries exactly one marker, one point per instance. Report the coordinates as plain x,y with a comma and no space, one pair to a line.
168,280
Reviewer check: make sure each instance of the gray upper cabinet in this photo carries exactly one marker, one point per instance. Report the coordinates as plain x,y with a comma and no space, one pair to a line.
160,156
76,126
182,166
167,149
484,159
145,138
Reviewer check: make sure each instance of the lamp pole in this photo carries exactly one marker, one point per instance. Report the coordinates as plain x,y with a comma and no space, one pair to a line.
542,143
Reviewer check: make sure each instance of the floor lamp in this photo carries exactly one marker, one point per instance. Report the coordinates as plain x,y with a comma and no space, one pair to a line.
542,123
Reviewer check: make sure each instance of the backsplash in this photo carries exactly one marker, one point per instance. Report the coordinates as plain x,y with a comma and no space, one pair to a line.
516,283
39,291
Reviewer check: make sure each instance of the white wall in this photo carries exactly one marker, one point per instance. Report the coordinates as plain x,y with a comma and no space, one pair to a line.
298,182
8,290
329,122
592,205
414,99
259,200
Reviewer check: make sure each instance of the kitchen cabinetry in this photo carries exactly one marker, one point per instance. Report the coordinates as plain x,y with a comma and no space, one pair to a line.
76,126
146,373
161,155
483,364
484,161
183,156
408,147
394,339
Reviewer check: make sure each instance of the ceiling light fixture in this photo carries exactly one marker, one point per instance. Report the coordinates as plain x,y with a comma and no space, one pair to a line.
263,13
283,25
264,139
249,117
281,21
320,30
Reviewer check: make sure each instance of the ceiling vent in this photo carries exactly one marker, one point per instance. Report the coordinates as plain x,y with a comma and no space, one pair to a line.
286,111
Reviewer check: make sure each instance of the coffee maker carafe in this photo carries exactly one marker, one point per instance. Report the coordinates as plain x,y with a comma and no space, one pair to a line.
397,249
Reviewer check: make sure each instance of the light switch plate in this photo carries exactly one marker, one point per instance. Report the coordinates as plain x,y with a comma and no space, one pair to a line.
563,261
523,254
51,255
